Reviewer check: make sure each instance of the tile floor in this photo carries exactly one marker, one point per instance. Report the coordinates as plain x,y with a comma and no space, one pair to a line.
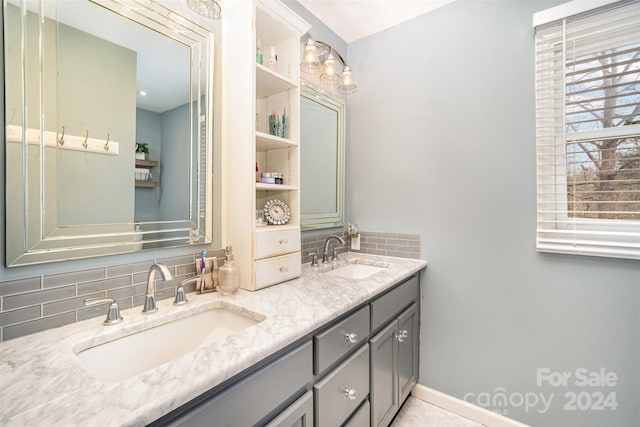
417,413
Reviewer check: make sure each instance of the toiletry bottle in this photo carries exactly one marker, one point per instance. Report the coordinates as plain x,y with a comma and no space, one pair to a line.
258,53
229,275
272,63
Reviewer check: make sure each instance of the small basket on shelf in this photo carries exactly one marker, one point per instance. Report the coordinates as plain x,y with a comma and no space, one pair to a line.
142,174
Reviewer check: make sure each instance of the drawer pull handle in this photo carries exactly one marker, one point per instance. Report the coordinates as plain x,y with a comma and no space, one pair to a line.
350,393
284,269
352,338
283,241
404,333
400,336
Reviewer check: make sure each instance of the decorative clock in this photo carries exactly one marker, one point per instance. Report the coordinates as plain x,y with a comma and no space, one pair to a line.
276,212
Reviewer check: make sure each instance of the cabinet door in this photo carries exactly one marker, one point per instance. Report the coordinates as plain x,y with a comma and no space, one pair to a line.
340,393
408,351
361,417
253,398
384,380
298,414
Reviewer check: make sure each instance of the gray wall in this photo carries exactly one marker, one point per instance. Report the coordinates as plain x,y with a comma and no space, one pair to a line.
174,194
441,143
149,131
96,93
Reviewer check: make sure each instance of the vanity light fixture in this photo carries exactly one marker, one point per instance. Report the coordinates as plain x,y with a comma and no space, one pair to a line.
321,57
207,8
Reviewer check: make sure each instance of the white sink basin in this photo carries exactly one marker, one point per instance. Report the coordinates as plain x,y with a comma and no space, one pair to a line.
356,271
130,355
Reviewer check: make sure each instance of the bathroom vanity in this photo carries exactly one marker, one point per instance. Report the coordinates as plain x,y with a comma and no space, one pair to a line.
378,339
324,347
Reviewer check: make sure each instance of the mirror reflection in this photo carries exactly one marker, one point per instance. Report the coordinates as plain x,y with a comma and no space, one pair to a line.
322,158
108,129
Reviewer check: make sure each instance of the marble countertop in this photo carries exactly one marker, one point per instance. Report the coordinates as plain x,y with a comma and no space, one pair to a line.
42,383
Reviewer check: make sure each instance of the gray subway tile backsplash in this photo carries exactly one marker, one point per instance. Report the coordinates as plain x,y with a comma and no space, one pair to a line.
374,243
20,315
69,304
37,297
38,303
102,285
127,292
53,280
11,287
121,270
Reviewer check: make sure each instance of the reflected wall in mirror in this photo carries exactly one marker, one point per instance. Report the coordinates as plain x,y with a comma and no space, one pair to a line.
84,85
322,163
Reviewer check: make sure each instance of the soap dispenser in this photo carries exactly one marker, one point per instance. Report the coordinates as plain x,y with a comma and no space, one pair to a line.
228,275
272,63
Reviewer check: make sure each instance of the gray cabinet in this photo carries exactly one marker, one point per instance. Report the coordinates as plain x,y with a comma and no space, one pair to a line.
336,376
408,351
340,393
298,414
253,398
384,384
332,344
394,351
361,417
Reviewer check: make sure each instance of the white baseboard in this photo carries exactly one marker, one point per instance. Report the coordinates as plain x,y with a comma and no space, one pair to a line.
463,408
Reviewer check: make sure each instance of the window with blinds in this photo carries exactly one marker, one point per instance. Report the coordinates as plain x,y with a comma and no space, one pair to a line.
587,70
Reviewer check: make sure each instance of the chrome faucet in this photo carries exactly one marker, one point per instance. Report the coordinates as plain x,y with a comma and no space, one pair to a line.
113,314
180,298
150,298
325,254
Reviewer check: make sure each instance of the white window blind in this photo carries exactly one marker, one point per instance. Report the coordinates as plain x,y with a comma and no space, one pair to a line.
587,70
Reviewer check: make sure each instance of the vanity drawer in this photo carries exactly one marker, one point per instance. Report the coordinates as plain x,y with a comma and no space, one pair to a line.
362,416
330,345
253,398
388,305
333,404
277,269
276,242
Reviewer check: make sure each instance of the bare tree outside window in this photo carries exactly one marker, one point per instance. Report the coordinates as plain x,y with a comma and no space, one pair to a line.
602,91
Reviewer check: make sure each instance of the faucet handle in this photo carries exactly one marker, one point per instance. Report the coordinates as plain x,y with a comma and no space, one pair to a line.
113,314
334,257
180,298
314,259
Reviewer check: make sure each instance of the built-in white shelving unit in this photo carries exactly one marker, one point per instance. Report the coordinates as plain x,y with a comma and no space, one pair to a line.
265,254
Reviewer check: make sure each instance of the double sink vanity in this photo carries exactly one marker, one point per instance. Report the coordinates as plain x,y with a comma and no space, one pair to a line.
339,344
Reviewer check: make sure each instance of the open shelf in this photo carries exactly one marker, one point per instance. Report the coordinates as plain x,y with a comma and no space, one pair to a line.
147,184
274,187
269,83
146,163
266,142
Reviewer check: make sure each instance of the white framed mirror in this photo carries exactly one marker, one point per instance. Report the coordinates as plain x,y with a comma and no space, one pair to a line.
322,158
84,87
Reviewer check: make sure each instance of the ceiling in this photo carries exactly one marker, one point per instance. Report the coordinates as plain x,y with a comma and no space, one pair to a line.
354,19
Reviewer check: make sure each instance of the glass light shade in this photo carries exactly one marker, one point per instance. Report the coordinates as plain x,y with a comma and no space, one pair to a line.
208,8
310,63
330,76
347,87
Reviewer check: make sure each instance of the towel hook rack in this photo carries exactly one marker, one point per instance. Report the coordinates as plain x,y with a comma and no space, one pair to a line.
86,138
106,144
61,140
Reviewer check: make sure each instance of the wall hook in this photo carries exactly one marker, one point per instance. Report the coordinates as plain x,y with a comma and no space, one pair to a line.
86,138
61,140
106,144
